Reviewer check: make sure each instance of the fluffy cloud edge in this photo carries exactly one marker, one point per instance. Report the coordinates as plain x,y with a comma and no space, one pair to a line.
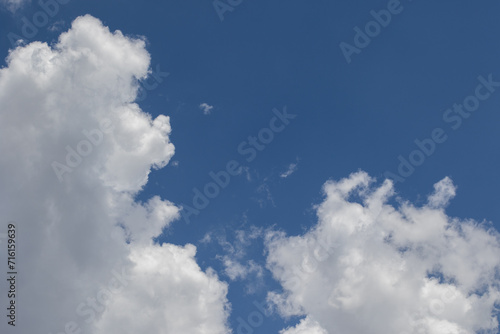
370,266
77,150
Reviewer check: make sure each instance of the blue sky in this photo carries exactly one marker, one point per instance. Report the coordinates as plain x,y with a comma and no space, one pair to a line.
361,114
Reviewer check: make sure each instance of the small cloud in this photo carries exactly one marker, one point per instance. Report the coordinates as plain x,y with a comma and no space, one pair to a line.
235,260
207,238
235,270
207,109
13,5
265,195
57,26
175,163
291,169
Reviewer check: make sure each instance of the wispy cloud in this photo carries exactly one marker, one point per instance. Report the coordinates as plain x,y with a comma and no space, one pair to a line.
292,168
207,109
265,195
57,26
238,266
13,5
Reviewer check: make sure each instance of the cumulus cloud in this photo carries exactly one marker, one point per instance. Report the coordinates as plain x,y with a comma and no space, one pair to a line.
372,267
168,293
76,150
207,109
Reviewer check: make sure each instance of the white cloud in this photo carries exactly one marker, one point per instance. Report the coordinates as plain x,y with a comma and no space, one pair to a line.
306,326
236,264
76,269
235,270
168,294
290,170
444,191
207,109
370,267
13,5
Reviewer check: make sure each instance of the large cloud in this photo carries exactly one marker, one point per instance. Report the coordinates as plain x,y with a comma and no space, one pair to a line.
372,267
75,151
